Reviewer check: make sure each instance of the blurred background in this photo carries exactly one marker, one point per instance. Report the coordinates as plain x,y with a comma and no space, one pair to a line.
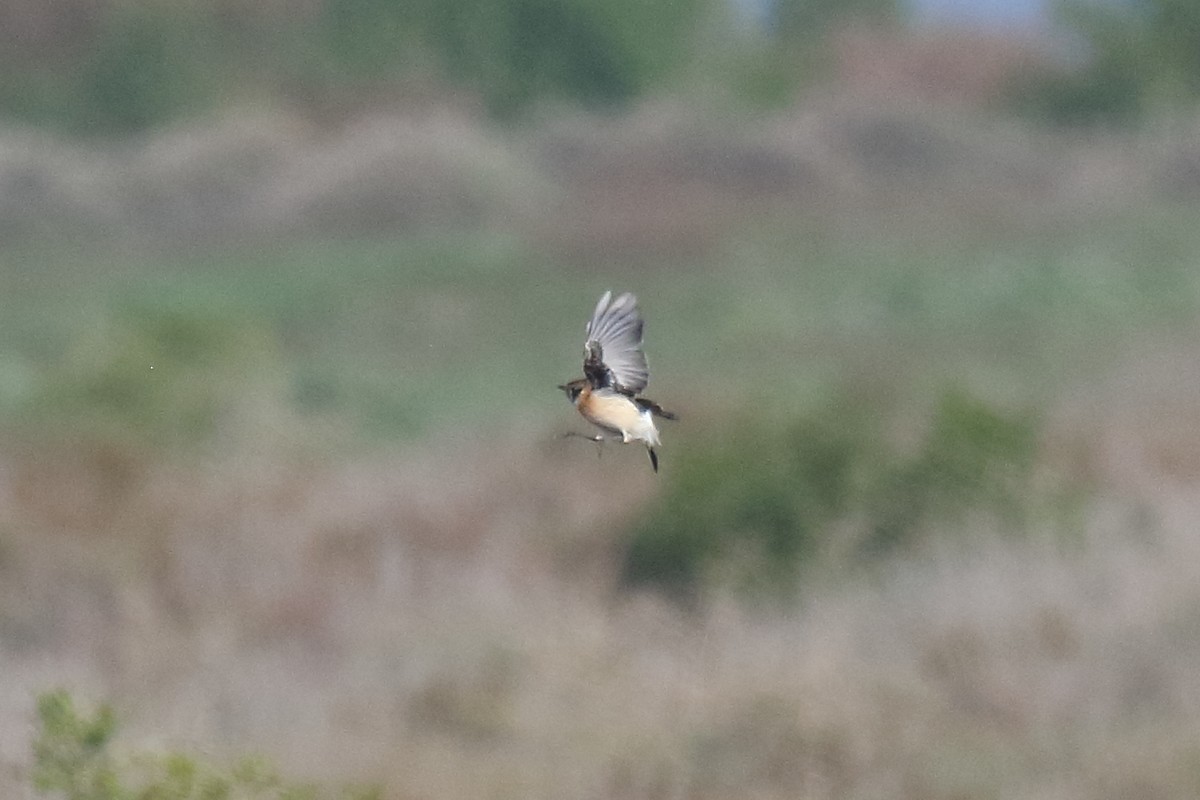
286,287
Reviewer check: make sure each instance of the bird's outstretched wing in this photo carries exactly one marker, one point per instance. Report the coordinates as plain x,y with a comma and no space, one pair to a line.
613,357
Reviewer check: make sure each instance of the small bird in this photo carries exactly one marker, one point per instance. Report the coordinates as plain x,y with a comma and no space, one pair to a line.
615,371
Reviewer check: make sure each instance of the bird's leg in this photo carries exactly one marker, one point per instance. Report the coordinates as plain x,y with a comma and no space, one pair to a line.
579,435
599,440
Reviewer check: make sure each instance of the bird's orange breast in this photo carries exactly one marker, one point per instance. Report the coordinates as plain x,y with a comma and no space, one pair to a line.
616,413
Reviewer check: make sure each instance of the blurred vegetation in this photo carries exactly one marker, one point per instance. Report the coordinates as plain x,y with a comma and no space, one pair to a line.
166,374
972,459
1133,60
759,501
75,758
136,65
145,63
799,23
123,67
415,334
598,52
114,68
753,498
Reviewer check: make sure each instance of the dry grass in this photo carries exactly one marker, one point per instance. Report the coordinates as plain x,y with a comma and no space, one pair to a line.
446,622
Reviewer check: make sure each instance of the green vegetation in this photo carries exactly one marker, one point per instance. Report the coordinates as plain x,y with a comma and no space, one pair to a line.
757,502
1138,60
825,423
177,350
973,459
142,64
75,758
599,52
135,65
754,498
803,24
160,375
139,64
391,339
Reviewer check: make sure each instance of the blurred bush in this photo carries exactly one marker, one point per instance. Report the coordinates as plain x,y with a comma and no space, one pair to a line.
1135,59
113,68
756,498
597,52
754,506
163,373
788,46
140,64
811,21
74,758
972,457
150,63
134,65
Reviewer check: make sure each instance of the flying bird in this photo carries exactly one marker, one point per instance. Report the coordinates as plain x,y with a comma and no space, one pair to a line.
615,373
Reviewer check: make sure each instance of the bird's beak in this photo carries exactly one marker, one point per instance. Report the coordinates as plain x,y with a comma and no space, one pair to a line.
563,388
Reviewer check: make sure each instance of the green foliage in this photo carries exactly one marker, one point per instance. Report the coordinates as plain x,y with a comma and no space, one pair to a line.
74,759
71,751
1106,91
148,66
763,499
812,20
144,63
515,51
1140,57
134,65
972,457
789,48
167,373
365,37
758,498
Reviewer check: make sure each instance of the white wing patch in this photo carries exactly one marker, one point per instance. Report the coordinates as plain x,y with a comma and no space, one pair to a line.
616,326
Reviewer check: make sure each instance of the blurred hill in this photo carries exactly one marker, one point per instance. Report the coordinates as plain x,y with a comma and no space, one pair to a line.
664,169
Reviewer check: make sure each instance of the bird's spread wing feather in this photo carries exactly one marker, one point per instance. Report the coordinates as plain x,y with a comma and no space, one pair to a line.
613,354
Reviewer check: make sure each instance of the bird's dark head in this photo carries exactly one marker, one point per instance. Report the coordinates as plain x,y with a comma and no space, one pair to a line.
573,389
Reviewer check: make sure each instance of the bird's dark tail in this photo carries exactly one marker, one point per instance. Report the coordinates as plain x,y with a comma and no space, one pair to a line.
655,409
653,458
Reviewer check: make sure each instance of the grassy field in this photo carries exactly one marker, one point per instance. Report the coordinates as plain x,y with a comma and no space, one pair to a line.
399,337
304,496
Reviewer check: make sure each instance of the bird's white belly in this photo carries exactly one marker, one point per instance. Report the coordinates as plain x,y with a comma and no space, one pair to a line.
619,415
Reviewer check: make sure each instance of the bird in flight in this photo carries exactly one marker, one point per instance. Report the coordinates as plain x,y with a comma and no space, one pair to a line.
615,372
